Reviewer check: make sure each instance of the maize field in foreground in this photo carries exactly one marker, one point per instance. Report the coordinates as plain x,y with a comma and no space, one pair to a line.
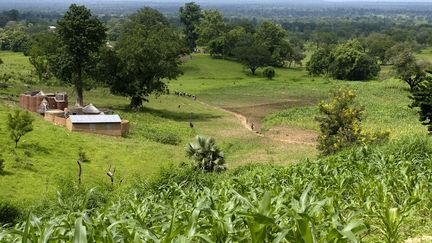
366,194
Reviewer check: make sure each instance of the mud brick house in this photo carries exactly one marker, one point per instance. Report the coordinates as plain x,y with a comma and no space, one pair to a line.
54,108
34,101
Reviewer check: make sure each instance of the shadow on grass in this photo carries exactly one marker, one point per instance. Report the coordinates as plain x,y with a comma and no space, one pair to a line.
180,115
35,147
5,173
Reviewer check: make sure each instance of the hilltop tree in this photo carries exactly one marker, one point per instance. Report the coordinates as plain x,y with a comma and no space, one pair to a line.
210,27
320,61
397,49
377,45
352,63
290,53
323,39
408,68
43,46
253,56
19,124
421,95
190,16
270,35
14,37
81,35
226,43
235,37
146,54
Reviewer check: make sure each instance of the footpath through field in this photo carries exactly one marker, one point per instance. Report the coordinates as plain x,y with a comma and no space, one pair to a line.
251,117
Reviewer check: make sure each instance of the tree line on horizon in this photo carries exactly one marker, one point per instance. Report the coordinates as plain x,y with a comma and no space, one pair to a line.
148,48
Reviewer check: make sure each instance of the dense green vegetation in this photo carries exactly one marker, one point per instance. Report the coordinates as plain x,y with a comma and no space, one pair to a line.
369,194
223,93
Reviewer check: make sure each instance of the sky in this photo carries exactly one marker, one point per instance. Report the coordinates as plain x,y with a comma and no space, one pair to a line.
215,1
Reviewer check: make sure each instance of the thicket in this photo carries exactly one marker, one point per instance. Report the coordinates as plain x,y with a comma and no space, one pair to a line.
347,61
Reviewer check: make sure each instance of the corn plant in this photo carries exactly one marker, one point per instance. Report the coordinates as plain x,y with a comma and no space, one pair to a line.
368,194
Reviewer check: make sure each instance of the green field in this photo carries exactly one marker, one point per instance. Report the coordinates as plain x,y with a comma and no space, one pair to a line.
286,104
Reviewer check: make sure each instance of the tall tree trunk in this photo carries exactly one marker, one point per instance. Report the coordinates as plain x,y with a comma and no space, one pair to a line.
79,171
79,88
136,102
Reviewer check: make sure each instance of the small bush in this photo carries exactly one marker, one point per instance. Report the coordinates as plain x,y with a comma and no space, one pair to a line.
340,123
9,213
19,124
269,73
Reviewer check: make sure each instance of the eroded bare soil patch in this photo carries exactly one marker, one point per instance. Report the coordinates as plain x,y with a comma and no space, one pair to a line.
252,116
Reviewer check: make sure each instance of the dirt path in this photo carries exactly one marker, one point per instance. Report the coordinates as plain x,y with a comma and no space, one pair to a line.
251,117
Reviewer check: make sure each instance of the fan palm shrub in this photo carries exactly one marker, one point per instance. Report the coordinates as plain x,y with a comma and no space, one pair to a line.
206,155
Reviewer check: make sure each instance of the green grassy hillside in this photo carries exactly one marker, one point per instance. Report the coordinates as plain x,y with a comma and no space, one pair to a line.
159,133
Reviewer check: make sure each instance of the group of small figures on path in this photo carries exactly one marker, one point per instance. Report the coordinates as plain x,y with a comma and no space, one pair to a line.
191,125
184,94
252,125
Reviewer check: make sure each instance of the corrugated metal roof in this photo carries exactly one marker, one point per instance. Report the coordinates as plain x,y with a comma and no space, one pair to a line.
95,118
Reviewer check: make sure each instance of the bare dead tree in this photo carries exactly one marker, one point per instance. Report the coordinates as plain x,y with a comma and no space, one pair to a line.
111,174
79,171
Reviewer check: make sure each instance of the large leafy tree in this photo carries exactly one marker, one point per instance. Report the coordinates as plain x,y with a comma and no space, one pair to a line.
210,27
270,35
190,16
253,56
377,45
43,45
352,63
408,68
323,39
147,53
320,61
14,38
80,35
